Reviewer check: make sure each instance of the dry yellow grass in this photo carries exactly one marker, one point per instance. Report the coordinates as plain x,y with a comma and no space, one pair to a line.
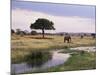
26,42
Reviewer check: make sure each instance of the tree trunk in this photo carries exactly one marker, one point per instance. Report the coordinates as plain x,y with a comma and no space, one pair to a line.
43,33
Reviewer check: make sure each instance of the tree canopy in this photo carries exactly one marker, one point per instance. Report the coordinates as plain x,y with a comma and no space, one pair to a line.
42,24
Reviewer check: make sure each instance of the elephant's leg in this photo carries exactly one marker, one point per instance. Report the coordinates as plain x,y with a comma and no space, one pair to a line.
64,40
67,40
70,40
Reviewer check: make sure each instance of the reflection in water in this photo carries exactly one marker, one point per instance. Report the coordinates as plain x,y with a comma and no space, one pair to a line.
36,59
57,59
40,61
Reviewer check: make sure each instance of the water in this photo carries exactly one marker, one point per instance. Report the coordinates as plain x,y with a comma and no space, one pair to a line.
89,49
57,59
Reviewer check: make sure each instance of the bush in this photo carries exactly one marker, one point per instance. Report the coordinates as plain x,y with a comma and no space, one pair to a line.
12,31
33,32
82,52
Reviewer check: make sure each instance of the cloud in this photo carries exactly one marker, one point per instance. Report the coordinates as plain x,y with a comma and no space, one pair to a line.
22,19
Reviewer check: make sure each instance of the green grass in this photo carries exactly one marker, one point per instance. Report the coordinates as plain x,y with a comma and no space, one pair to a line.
86,61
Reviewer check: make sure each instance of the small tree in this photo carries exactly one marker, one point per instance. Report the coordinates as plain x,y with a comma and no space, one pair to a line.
43,24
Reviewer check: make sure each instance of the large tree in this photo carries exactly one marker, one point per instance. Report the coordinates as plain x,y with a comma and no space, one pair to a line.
43,24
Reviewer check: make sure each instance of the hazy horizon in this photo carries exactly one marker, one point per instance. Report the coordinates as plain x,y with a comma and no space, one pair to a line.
66,17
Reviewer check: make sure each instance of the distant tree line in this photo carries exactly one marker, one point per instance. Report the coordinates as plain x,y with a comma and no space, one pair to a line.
21,32
33,32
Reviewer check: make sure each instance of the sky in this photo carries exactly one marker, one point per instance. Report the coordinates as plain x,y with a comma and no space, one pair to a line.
66,17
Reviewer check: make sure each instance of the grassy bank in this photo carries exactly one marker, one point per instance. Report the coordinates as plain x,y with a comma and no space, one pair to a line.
77,61
85,61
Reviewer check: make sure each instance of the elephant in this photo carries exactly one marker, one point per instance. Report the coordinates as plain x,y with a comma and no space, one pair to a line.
68,38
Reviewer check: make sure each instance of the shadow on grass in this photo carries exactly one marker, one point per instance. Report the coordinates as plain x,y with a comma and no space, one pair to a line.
40,37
